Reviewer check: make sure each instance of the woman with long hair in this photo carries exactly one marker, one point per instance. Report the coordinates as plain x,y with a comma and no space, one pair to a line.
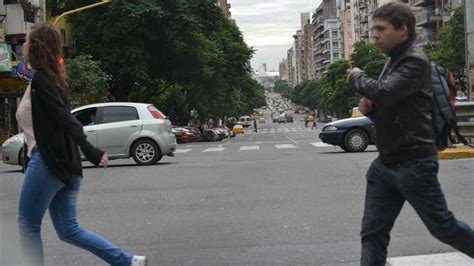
54,172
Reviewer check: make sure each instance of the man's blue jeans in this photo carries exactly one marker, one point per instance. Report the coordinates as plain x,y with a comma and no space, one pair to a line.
388,186
42,190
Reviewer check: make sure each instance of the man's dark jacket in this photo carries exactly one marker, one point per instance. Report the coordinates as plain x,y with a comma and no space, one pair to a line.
57,132
402,97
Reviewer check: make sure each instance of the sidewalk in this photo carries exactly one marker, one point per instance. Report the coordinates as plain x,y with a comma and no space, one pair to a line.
451,259
456,152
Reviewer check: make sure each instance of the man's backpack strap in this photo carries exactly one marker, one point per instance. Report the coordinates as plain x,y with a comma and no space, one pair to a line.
448,114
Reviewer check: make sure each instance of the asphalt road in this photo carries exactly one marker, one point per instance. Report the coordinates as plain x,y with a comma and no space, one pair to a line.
273,197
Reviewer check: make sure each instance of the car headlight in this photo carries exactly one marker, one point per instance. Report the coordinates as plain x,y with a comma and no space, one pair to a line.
11,140
330,128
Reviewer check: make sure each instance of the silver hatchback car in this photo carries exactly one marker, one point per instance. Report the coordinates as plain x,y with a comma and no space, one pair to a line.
121,129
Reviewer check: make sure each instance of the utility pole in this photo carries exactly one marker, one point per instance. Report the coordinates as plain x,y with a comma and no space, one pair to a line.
469,26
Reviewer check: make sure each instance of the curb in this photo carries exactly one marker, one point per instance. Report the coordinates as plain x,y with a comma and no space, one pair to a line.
454,258
456,152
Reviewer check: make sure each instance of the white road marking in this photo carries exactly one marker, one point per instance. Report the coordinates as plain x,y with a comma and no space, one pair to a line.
182,150
321,144
214,149
285,146
250,148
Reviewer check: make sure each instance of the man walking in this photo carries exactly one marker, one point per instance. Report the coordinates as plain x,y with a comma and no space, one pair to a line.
255,125
399,102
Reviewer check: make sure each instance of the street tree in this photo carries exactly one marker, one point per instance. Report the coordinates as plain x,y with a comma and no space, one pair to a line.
87,81
367,57
150,46
451,48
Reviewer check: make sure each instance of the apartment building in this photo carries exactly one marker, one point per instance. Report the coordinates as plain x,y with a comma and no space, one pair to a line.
308,50
16,19
225,6
326,43
345,28
297,62
290,68
283,69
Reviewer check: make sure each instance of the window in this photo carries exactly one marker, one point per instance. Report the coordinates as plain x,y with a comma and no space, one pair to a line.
87,117
113,114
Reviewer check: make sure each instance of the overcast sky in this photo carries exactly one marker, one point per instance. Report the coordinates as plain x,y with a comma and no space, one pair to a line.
269,25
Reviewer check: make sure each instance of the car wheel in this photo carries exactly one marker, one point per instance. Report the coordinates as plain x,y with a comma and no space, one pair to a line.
146,152
356,140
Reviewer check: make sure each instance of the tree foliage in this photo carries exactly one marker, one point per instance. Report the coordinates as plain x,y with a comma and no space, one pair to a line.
87,81
451,50
368,57
182,55
329,93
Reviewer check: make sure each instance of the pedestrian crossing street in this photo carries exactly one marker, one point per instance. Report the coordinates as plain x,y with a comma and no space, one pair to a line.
244,148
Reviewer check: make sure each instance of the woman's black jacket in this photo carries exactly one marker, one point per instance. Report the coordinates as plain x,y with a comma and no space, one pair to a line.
57,132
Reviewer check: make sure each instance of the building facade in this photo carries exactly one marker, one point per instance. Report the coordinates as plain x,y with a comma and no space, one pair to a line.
225,6
16,19
345,29
283,69
326,44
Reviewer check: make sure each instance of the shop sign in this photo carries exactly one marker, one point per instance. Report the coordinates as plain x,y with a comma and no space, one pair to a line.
5,57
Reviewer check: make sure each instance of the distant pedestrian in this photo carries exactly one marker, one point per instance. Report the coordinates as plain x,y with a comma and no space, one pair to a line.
54,173
255,125
399,102
314,125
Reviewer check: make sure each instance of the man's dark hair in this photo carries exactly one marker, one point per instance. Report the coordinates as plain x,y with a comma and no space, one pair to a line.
397,14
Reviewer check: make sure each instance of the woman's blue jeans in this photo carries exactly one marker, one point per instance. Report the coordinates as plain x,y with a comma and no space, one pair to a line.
41,190
415,181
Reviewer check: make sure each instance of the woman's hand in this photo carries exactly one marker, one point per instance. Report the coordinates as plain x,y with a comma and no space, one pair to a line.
104,161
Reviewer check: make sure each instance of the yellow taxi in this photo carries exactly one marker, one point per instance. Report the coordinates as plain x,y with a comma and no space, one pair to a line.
238,129
356,112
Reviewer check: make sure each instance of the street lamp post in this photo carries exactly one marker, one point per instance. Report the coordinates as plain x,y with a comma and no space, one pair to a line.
103,2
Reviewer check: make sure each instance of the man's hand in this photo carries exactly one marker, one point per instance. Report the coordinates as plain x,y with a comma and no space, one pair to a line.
104,161
365,106
354,70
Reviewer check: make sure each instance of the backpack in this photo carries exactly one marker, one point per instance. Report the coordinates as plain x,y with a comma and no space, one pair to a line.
443,114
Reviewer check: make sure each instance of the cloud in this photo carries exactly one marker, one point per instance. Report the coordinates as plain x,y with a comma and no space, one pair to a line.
270,24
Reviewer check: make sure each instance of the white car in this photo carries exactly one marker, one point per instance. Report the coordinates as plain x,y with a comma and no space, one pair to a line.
121,129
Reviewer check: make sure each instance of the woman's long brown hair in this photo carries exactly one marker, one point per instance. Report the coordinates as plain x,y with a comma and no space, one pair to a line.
45,51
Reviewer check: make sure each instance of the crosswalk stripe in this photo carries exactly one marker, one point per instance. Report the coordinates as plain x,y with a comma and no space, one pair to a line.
285,146
320,144
250,148
182,150
214,149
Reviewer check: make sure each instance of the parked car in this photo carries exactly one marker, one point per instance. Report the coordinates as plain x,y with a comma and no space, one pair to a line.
195,133
210,135
351,134
180,134
122,130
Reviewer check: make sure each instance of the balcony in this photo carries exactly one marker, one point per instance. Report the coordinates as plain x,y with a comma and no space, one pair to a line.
427,39
422,2
21,17
427,17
